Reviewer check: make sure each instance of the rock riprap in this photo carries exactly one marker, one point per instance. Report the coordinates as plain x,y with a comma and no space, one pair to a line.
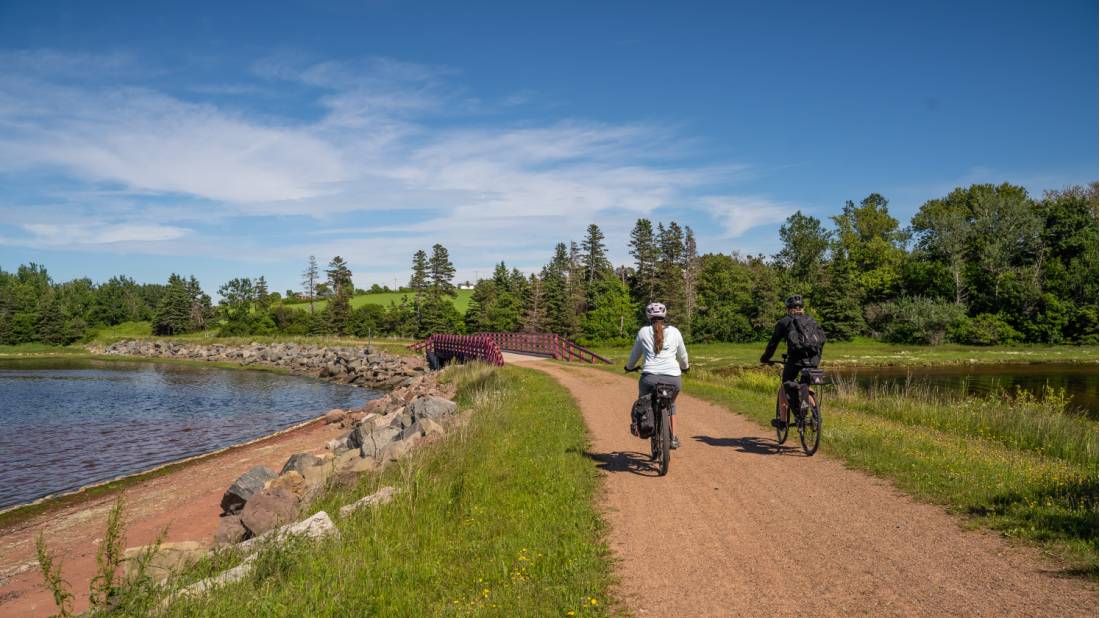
346,365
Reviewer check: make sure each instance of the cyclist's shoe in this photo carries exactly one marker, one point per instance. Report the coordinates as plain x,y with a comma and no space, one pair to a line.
634,429
675,443
779,423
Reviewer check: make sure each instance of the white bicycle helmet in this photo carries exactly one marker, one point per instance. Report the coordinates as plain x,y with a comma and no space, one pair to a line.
656,310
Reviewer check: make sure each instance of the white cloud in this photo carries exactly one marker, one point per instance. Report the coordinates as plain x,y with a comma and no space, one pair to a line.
391,136
741,214
69,234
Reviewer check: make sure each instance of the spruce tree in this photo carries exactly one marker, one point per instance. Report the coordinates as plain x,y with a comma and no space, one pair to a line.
173,313
670,272
690,265
339,306
594,256
643,246
441,272
309,280
534,316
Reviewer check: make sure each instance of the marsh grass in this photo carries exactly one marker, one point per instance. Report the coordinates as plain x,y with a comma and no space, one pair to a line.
1019,465
498,519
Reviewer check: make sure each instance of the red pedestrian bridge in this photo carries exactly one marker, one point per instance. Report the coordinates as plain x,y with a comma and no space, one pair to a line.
489,347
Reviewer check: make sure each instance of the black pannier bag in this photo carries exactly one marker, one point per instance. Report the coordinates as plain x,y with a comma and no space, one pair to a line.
643,416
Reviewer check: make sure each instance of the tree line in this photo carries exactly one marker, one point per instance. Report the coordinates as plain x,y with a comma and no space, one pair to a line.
983,265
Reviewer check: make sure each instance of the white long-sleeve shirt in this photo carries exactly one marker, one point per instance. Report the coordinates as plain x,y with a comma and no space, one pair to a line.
664,361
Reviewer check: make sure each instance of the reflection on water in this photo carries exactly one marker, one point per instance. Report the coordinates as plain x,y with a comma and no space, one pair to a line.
71,422
1078,381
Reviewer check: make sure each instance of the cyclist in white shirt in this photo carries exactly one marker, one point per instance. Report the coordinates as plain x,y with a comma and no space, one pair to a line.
665,357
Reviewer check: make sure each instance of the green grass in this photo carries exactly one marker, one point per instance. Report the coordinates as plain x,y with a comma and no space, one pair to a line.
461,302
1021,467
126,330
868,352
38,349
498,520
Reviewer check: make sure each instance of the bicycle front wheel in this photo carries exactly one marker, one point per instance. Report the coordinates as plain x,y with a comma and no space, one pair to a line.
809,431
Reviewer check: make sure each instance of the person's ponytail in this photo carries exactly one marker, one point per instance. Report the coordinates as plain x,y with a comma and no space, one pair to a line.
658,336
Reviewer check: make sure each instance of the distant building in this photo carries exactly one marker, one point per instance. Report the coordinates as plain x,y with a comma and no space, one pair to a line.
465,285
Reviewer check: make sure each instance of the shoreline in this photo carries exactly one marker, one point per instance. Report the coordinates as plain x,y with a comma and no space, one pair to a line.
12,516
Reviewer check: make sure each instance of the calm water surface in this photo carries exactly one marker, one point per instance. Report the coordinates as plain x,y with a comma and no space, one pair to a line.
1079,380
68,423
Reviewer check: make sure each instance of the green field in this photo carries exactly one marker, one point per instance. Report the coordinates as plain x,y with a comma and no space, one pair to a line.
498,520
461,302
868,352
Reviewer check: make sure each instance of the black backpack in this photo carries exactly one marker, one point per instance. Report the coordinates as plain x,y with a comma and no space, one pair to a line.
643,416
805,339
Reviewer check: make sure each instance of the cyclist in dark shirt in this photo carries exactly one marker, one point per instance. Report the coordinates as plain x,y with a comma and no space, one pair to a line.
793,363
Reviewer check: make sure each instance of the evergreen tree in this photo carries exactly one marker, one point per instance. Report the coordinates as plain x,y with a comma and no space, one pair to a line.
339,306
643,246
836,300
690,266
670,275
560,316
613,315
418,283
201,310
173,314
534,317
594,257
309,280
442,273
262,295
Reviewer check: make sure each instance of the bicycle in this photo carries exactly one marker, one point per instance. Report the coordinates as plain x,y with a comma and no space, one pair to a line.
807,415
660,443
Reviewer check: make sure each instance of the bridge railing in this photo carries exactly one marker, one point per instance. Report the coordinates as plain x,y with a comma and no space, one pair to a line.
545,344
463,347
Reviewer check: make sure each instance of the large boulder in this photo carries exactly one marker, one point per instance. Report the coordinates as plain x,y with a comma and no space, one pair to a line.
246,486
230,530
270,509
432,407
300,461
377,440
166,559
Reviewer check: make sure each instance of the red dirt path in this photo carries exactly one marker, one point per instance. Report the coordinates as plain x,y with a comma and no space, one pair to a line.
737,529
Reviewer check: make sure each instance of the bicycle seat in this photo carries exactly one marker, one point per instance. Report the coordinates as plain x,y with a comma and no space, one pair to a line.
665,390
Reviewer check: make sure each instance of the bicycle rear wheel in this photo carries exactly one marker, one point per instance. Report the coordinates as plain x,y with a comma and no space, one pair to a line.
780,433
809,431
665,442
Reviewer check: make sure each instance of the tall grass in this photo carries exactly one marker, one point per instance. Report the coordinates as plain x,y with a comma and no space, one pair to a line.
496,520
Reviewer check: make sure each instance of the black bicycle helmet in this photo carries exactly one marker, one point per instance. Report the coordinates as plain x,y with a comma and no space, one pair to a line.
794,302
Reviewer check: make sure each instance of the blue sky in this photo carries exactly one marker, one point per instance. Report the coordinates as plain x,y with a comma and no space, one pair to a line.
142,138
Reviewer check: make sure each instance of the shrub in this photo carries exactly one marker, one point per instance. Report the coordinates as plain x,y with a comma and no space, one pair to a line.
916,320
985,329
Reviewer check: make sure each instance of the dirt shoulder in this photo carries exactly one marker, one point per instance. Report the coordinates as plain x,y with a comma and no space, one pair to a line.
186,500
739,528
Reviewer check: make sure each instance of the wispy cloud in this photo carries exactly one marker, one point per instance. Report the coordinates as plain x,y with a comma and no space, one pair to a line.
741,214
375,136
69,235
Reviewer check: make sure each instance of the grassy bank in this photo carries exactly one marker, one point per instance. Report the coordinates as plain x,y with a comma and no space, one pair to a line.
868,352
496,520
1022,467
461,301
